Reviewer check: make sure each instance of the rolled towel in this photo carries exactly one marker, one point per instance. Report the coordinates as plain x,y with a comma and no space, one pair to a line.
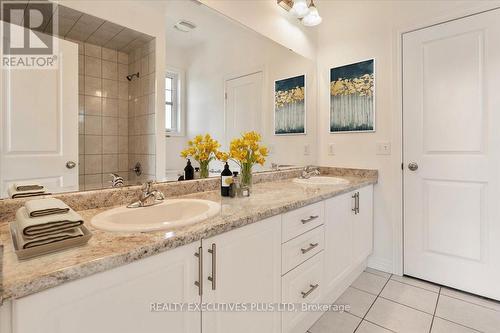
43,207
26,243
32,227
28,187
13,193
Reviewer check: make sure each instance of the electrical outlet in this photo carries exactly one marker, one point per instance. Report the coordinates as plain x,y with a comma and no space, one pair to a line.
383,148
307,150
331,149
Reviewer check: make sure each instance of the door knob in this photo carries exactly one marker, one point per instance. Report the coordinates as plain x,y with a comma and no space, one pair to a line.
70,164
413,166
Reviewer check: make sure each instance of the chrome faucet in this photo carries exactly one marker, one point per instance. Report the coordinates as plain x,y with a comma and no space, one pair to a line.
309,171
149,197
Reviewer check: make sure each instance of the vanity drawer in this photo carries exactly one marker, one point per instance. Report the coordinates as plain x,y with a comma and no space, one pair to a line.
297,250
299,221
302,285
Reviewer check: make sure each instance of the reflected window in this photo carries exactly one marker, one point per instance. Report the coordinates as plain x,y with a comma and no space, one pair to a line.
172,103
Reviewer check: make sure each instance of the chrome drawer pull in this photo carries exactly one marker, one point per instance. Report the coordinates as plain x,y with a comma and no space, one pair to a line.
311,218
307,293
311,246
213,278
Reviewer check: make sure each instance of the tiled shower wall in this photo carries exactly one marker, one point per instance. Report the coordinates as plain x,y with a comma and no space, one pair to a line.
142,138
103,115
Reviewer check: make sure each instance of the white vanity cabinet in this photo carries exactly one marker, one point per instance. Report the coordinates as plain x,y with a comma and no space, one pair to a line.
118,300
348,235
244,266
308,256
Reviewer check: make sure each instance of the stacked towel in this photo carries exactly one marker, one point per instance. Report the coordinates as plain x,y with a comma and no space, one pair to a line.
26,190
46,221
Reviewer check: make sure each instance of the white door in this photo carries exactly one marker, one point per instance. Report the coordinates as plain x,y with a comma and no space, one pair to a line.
128,299
451,104
39,124
243,105
247,269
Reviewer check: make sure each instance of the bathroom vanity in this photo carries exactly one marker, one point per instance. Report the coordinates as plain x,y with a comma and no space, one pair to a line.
288,243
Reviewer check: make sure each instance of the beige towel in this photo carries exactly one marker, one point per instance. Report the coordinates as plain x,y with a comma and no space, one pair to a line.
13,193
26,243
32,227
28,187
43,207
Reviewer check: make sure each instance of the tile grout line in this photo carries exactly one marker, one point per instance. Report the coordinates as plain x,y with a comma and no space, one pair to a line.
480,305
367,311
462,325
408,284
408,306
435,309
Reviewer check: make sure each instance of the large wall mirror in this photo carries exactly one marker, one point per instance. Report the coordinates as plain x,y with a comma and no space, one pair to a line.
92,121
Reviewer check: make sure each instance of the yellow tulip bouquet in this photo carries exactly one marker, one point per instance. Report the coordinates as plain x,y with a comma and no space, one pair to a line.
246,151
203,148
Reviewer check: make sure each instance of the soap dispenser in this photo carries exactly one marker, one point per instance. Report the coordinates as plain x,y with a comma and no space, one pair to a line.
226,178
188,171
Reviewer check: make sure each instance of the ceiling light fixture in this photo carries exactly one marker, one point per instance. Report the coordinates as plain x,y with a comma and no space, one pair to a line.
312,18
308,15
299,8
185,26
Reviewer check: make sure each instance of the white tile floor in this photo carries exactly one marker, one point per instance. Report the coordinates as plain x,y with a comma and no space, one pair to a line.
381,302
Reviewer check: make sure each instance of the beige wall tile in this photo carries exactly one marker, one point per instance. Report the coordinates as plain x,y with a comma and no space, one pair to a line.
122,72
123,108
81,144
122,58
110,144
93,125
93,181
81,124
123,90
92,50
110,107
81,164
92,66
109,70
122,163
81,104
110,126
123,144
151,105
93,144
110,163
109,88
109,54
93,86
144,65
81,64
151,62
122,126
93,164
93,105
81,84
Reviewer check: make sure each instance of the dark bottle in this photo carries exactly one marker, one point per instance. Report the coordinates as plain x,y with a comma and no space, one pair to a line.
188,171
226,178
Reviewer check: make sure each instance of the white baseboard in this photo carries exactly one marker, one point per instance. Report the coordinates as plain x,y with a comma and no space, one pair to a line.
381,264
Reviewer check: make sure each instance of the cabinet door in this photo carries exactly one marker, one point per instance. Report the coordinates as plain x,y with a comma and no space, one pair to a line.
247,269
119,300
338,237
363,225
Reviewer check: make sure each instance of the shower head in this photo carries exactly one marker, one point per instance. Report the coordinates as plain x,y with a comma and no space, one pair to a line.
131,76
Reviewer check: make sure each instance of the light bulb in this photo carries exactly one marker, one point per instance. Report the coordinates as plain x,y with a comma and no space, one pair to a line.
312,19
299,8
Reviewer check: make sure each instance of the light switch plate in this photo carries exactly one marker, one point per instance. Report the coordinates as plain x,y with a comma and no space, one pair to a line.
307,150
383,148
331,149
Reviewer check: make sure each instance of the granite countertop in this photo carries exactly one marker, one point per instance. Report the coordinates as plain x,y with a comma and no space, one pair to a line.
106,250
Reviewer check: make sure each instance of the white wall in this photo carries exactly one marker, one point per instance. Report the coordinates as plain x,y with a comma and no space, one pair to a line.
230,51
147,17
268,19
356,30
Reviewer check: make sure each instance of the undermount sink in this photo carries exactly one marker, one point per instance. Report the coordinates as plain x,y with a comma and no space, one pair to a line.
318,180
170,214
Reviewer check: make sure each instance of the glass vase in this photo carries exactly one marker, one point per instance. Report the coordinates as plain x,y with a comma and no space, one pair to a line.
246,174
204,169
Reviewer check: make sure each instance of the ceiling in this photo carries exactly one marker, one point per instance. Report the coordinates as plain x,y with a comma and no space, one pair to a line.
72,24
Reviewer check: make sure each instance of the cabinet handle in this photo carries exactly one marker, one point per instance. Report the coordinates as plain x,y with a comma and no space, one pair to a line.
311,246
357,202
307,293
311,218
213,278
199,283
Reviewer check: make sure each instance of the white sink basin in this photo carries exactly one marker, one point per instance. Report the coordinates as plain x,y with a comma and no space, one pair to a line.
322,181
170,214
